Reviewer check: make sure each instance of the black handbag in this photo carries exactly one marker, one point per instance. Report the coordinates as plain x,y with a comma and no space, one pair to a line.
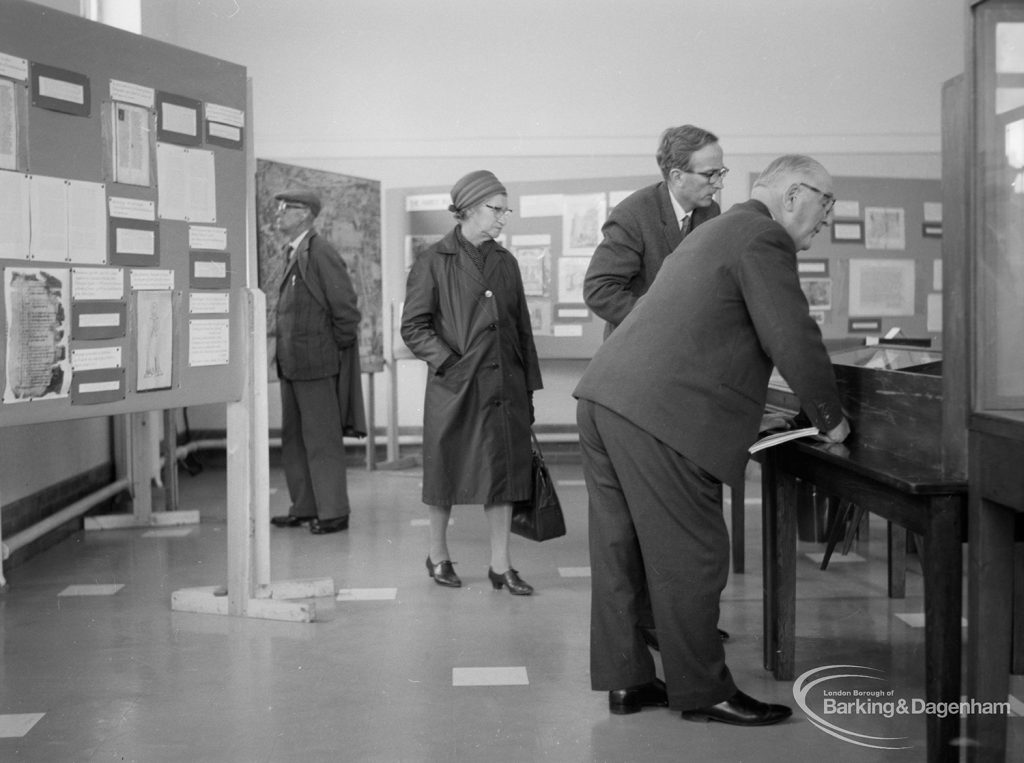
540,517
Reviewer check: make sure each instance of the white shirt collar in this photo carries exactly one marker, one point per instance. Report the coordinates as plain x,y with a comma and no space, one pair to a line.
680,212
294,243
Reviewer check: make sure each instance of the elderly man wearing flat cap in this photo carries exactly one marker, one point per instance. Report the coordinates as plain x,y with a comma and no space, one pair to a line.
466,316
317,351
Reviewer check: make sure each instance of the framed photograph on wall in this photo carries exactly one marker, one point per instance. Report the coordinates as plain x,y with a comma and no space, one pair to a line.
534,267
540,316
818,292
885,228
812,268
881,287
848,232
571,271
864,325
415,245
572,314
582,218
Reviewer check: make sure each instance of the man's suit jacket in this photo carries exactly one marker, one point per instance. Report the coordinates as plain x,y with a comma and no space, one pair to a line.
690,364
317,313
639,234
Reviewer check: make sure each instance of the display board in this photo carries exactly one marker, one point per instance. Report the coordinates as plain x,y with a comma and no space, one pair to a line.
350,220
123,197
553,232
879,266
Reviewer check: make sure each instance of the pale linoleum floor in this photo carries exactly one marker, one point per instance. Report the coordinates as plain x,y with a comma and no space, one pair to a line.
97,667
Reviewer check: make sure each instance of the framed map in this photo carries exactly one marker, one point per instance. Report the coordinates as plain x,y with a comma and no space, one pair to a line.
350,220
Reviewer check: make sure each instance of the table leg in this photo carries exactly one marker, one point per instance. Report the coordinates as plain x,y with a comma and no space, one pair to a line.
769,512
738,495
837,524
990,555
943,580
1017,656
857,527
784,540
898,561
779,493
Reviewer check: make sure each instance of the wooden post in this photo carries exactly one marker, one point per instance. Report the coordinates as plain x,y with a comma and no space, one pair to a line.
392,391
371,438
135,446
3,580
241,524
394,460
249,591
259,435
170,460
140,463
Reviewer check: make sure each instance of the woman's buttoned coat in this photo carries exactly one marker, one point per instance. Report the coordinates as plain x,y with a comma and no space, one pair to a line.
476,412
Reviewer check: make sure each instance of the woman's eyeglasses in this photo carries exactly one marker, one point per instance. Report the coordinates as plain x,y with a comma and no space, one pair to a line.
500,212
712,176
828,200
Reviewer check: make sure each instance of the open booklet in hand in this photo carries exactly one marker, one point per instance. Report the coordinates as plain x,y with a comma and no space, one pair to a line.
780,437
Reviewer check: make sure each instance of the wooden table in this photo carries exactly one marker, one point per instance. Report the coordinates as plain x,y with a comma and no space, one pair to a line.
917,497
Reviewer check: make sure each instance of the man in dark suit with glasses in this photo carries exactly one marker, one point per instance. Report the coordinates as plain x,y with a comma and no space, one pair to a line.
317,328
647,226
667,409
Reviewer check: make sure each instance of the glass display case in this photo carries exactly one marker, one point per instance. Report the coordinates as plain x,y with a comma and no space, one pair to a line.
996,421
998,167
891,358
892,396
882,357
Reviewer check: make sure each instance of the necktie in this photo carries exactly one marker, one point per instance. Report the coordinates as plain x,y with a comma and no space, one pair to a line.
289,261
684,225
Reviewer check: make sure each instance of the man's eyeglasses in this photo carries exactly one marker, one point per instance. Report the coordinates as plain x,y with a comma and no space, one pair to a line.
828,200
500,212
712,176
284,205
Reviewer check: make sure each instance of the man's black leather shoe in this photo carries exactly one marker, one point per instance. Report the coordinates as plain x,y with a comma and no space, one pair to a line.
626,701
650,637
287,520
325,526
740,710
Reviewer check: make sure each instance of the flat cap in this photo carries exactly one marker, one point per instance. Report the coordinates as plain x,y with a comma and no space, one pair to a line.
301,196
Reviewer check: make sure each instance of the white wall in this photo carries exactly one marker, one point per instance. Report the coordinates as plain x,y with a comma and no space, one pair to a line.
415,79
417,92
37,456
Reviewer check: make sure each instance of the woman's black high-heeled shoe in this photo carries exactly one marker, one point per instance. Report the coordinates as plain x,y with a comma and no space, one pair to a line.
443,573
516,586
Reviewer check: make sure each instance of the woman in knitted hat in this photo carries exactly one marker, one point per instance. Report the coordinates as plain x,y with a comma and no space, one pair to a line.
465,315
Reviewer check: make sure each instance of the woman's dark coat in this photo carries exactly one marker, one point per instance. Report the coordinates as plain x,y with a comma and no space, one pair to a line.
476,415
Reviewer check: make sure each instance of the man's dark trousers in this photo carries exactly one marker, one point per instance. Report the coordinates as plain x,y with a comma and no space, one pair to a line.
313,448
653,512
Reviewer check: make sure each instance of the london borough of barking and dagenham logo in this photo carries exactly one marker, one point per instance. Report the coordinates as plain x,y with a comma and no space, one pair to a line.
848,701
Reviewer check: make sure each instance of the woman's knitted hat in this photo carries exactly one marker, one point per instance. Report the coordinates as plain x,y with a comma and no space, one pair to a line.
473,188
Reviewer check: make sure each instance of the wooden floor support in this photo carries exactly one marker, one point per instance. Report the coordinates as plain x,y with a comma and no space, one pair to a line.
249,591
135,453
